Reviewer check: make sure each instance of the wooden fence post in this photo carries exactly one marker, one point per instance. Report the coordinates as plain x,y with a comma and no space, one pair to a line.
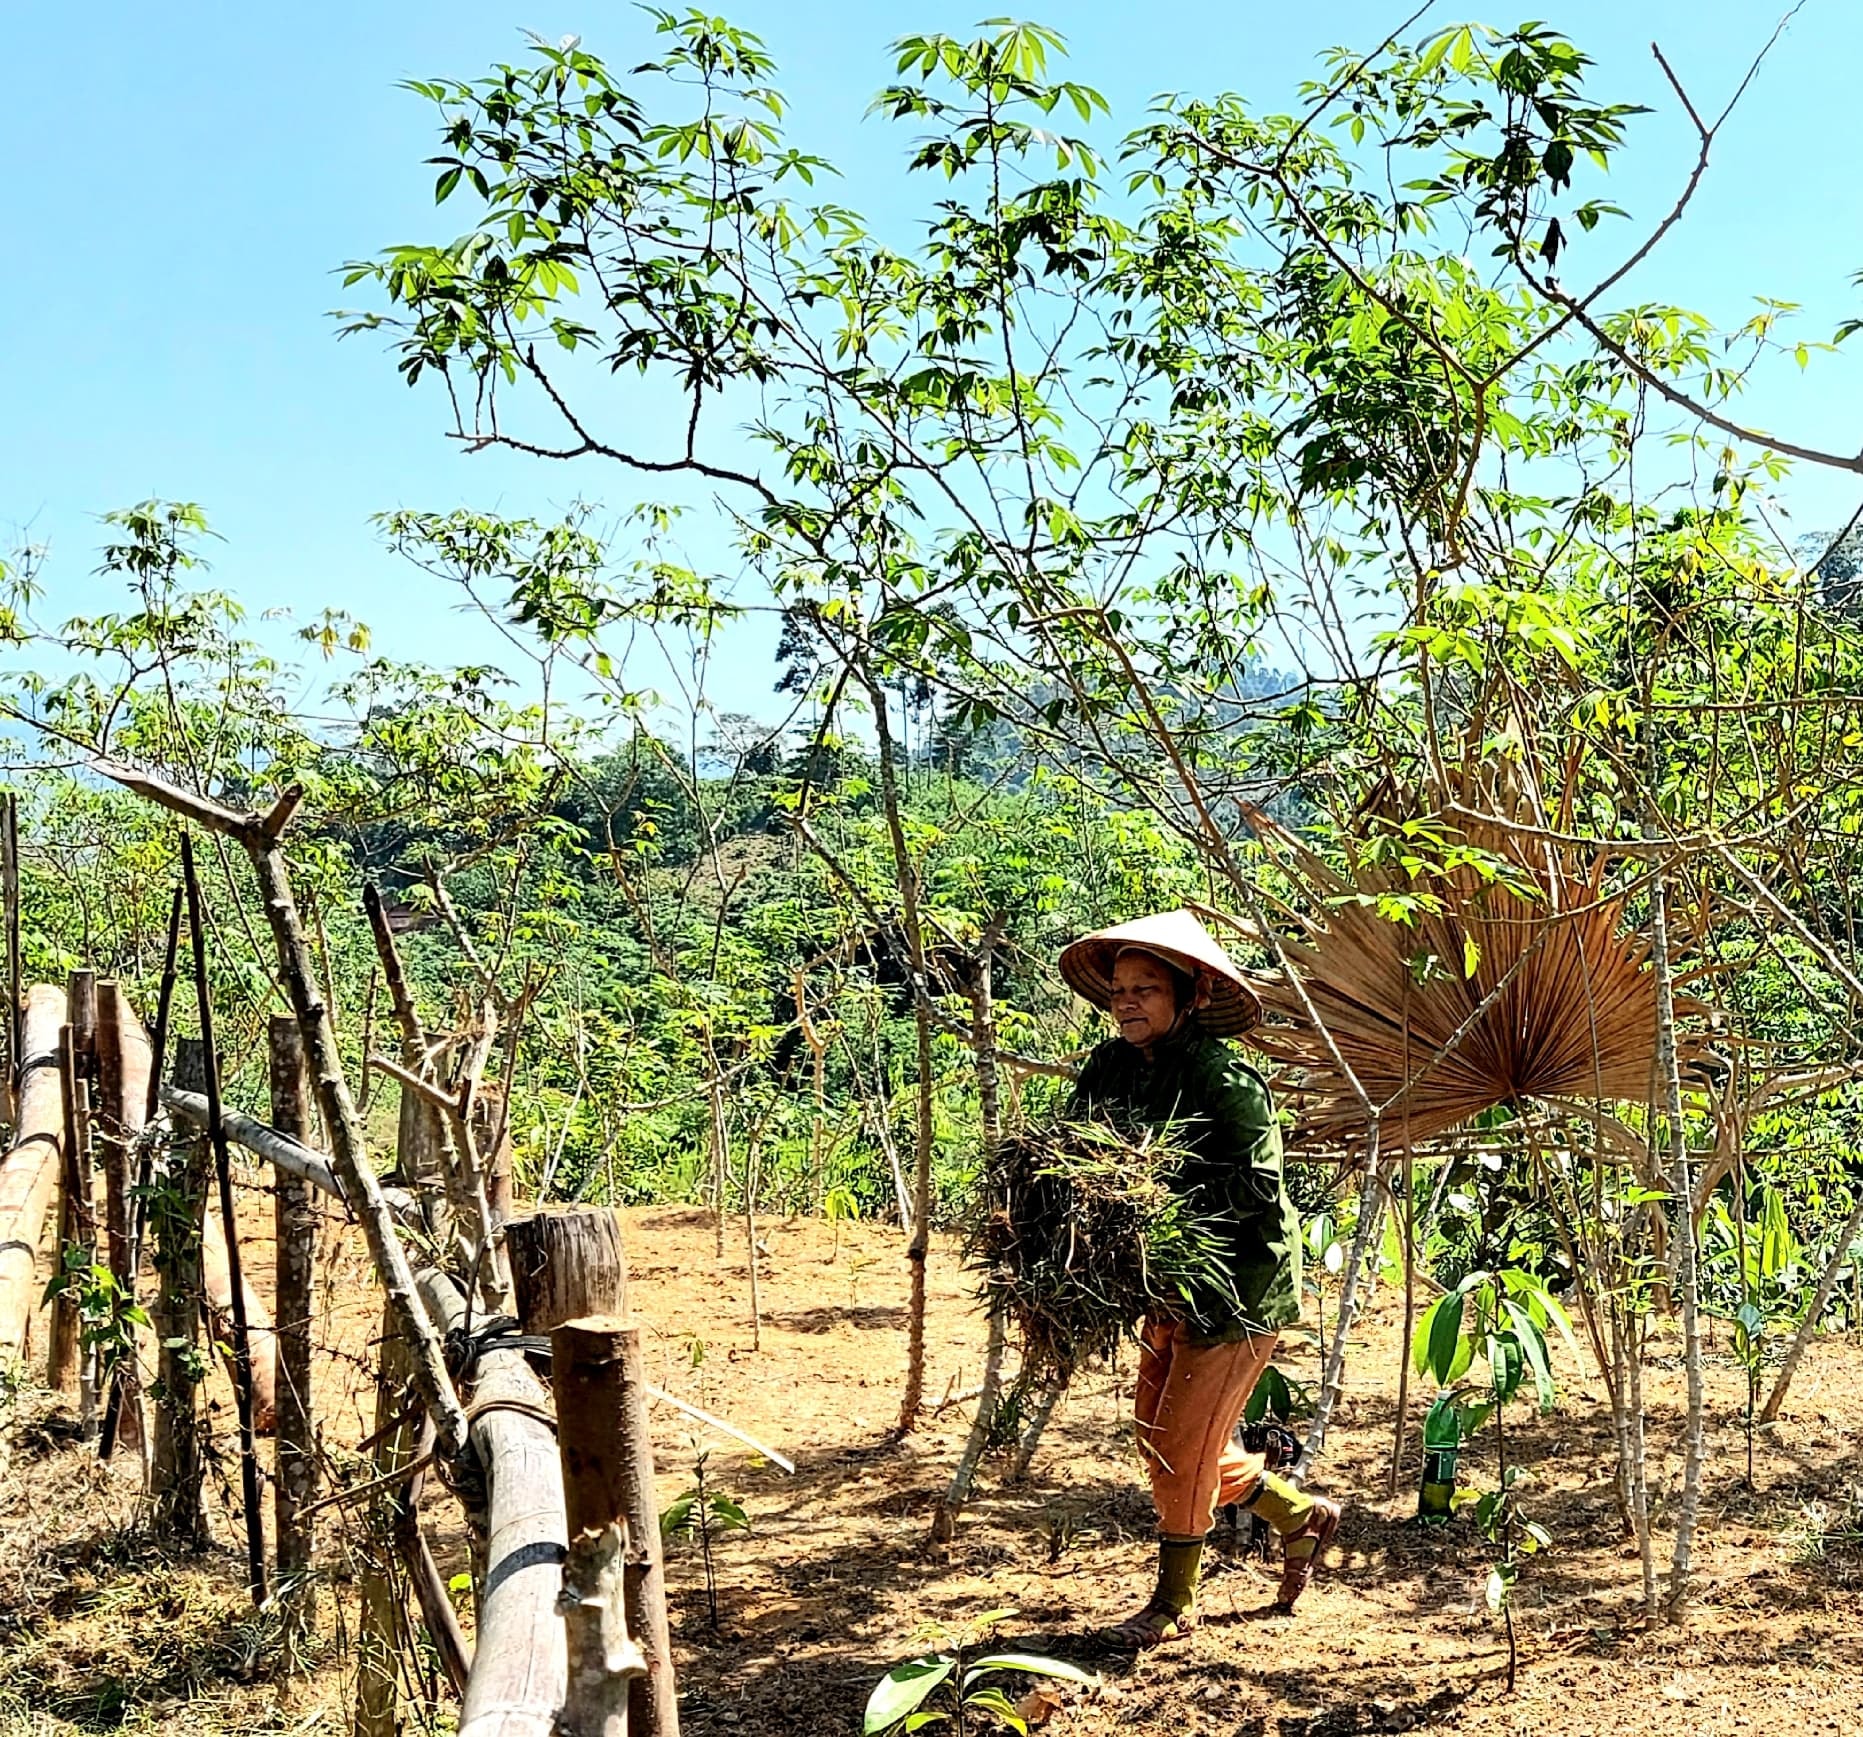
123,1064
378,1643
570,1266
295,1461
565,1264
177,1484
594,1362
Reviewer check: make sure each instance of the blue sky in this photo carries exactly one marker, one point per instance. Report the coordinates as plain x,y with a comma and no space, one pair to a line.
187,177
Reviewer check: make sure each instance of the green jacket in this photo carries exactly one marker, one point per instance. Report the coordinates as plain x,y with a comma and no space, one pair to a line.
1222,1115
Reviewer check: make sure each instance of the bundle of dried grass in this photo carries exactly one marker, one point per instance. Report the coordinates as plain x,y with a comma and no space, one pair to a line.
1080,1235
1518,976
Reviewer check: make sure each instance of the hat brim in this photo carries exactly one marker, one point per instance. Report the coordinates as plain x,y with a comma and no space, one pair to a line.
1087,966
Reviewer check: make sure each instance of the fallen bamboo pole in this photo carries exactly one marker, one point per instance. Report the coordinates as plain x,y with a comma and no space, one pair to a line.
284,1152
520,1670
29,1173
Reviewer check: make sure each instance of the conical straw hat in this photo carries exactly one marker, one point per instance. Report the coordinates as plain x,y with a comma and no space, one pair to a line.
1178,937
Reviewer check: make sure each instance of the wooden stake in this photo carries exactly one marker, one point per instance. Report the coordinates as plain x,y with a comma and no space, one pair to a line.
567,1263
177,1471
242,1332
296,1244
601,1409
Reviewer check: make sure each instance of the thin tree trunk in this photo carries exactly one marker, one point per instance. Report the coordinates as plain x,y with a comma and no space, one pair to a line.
259,836
124,1061
62,1358
296,1462
989,1115
1364,1251
918,1246
178,1484
1037,1425
1688,1273
223,1169
752,1166
721,1153
1820,1300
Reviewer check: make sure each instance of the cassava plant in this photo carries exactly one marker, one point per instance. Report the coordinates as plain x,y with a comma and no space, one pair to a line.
1500,1319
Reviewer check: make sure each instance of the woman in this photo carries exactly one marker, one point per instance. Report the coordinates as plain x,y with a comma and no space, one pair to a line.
1175,995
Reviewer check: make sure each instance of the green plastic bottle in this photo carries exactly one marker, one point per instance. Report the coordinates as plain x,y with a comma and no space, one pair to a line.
1442,1445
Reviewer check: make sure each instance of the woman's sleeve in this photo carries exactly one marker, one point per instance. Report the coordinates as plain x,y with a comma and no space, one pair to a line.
1247,1139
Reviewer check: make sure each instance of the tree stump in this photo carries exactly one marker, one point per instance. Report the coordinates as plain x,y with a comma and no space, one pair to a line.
567,1264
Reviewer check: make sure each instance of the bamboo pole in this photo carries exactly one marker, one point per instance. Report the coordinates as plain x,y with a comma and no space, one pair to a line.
260,836
177,1482
295,1454
519,1671
287,1155
9,903
30,1172
223,1170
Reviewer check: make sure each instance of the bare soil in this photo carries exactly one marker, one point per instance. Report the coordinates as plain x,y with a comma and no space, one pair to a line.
835,1580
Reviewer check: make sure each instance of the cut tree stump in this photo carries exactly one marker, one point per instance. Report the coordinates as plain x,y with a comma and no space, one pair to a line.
566,1264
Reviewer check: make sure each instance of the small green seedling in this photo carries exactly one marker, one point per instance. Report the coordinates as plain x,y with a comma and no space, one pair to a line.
950,1683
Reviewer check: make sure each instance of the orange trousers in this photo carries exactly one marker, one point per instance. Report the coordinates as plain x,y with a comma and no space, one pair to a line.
1190,1399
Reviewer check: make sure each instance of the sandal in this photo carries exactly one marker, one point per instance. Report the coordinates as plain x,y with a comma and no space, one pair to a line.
1297,1571
1156,1625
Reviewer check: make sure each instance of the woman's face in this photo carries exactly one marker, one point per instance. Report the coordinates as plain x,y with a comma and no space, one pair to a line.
1144,1000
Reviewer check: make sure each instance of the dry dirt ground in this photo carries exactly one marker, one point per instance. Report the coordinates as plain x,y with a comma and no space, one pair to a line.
835,1580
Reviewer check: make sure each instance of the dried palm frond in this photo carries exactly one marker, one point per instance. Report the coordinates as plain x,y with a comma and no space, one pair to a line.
1080,1235
1506,973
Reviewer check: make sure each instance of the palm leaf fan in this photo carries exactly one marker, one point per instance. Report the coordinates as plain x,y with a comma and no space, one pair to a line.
1526,981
